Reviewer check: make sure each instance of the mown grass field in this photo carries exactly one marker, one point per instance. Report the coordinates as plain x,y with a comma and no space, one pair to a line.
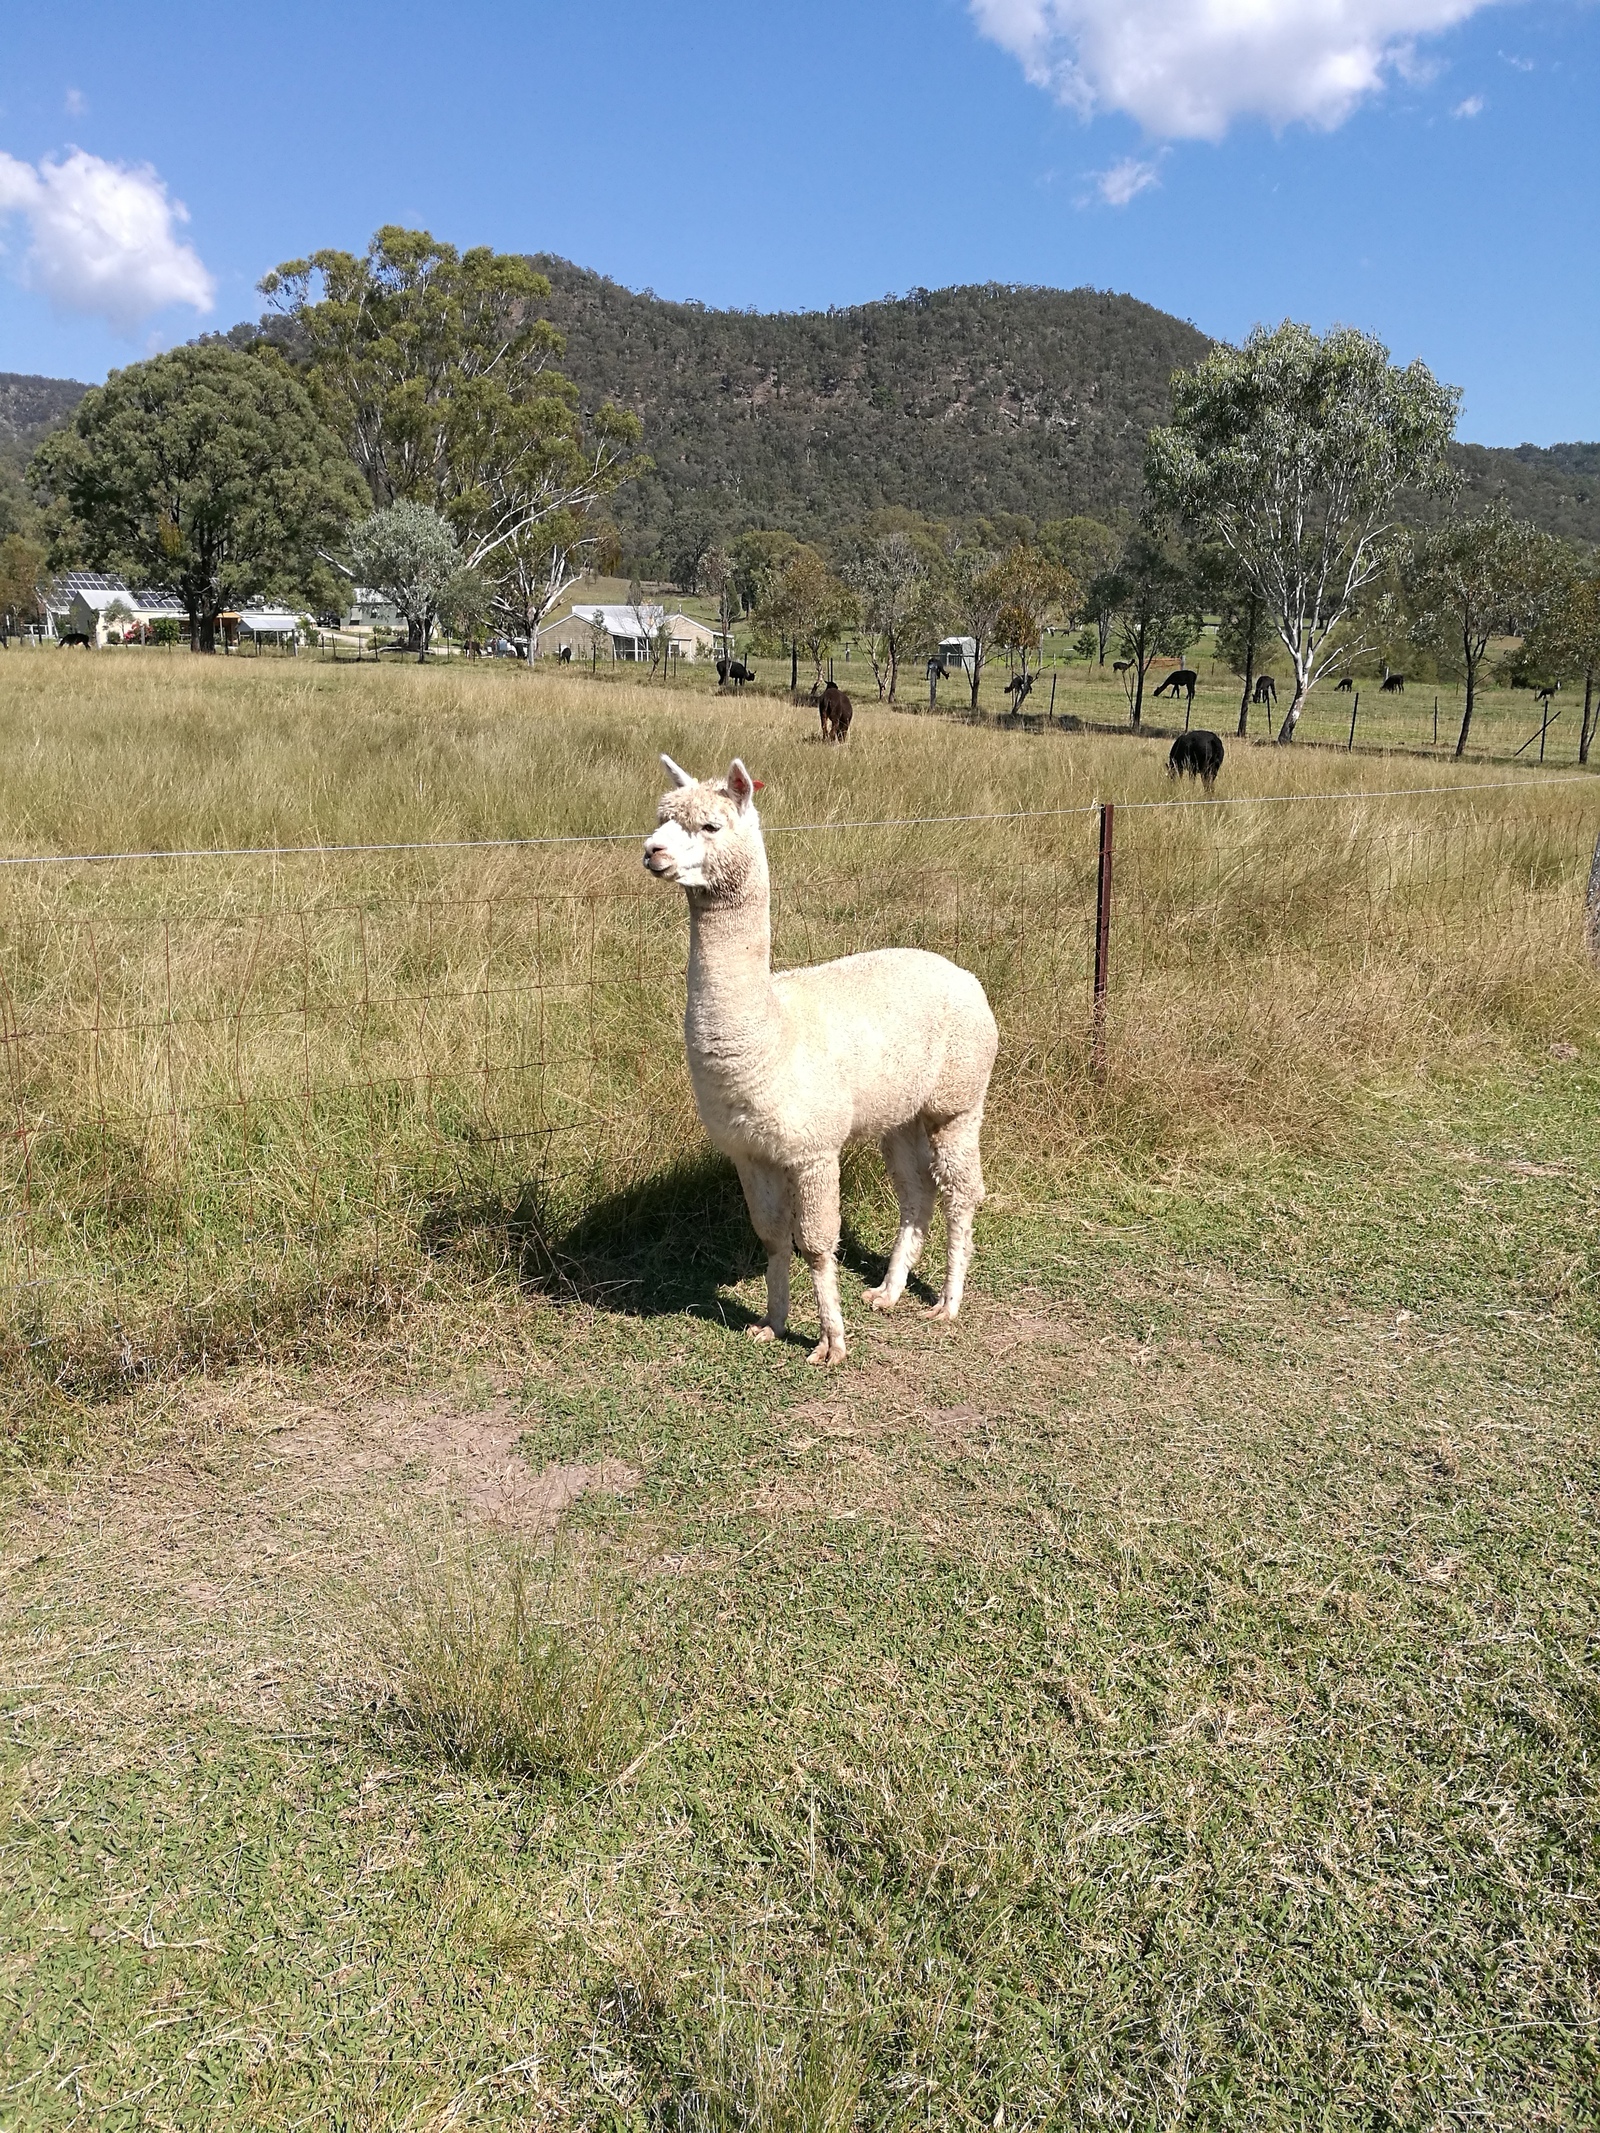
1168,1698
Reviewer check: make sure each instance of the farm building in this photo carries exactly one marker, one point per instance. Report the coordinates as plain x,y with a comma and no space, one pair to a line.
81,600
621,627
957,652
269,625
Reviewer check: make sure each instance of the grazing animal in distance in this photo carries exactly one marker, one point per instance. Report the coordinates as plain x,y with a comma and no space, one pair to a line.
564,656
1121,666
1545,690
733,670
1182,680
1019,688
1266,690
1196,755
836,712
1343,688
1392,684
895,1046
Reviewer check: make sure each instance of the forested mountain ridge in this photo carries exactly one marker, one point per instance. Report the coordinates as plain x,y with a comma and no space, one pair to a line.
987,401
31,407
959,403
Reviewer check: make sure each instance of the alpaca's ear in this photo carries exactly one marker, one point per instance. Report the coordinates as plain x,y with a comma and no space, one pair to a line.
676,772
742,788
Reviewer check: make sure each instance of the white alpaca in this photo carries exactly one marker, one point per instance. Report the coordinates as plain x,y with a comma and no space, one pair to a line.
895,1046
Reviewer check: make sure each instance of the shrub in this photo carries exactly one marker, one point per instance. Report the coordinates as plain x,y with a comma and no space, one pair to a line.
492,1681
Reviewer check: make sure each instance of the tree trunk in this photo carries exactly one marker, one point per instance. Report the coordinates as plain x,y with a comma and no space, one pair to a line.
1102,624
1291,717
1587,734
1138,695
1466,715
1249,679
794,666
894,667
1591,909
208,633
977,675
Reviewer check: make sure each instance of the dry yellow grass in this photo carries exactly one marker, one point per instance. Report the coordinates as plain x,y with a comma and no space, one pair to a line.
251,1096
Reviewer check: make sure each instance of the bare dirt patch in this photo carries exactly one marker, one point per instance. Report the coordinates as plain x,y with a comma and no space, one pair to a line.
472,1460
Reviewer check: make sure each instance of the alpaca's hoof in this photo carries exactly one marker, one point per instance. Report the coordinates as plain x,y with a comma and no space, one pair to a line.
941,1309
828,1351
879,1298
760,1333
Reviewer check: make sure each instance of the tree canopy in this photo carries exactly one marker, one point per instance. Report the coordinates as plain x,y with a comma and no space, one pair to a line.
207,470
438,370
1472,578
1291,454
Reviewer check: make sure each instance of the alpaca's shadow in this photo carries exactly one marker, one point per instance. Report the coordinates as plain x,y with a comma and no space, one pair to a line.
672,1243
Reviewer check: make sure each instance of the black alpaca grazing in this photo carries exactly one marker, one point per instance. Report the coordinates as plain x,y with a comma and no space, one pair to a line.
733,670
1266,690
1018,688
1343,688
1182,678
565,655
1544,692
1392,684
1196,755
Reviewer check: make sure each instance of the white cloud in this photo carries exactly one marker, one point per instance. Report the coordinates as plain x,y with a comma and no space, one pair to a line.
103,238
76,103
1186,69
1125,181
1469,107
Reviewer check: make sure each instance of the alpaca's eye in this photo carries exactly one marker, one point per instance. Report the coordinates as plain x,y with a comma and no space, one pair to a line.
707,828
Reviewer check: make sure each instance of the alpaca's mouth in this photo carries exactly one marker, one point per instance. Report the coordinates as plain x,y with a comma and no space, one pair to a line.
659,863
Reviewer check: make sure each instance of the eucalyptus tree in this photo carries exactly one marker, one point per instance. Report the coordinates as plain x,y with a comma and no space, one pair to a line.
1564,641
1154,599
1475,578
1292,454
890,578
805,606
1039,592
409,554
206,469
21,568
437,370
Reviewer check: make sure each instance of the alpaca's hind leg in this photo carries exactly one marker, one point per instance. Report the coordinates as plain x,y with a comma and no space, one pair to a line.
958,1167
816,1237
771,1205
908,1158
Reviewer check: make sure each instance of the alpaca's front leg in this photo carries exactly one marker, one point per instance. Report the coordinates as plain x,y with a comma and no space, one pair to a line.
816,1237
767,1195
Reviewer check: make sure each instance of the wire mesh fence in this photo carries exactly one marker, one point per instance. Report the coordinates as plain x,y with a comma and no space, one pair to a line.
236,1096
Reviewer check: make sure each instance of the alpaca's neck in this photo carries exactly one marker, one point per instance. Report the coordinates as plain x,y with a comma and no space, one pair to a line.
732,1009
730,948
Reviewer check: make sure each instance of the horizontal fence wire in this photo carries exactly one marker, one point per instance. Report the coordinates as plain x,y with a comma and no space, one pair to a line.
218,1118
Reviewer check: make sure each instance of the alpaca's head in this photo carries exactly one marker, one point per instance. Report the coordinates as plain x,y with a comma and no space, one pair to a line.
708,834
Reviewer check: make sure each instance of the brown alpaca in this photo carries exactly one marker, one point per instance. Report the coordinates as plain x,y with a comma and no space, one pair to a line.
836,711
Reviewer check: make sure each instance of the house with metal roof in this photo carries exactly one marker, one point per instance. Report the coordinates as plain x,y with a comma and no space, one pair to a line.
626,632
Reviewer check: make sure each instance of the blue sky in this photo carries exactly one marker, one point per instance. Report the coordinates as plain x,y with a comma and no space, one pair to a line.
1435,175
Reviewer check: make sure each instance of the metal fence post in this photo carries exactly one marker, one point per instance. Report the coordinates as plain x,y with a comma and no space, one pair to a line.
1354,712
1102,940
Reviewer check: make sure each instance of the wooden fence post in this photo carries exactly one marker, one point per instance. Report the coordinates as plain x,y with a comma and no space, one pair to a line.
1102,941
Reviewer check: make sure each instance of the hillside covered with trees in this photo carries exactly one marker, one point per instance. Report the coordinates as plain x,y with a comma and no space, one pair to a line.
983,401
1009,404
955,403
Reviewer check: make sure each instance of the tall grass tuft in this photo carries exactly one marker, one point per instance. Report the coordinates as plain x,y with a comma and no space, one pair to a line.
493,1680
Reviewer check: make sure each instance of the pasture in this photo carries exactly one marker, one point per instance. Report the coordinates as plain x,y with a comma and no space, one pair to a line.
451,1677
